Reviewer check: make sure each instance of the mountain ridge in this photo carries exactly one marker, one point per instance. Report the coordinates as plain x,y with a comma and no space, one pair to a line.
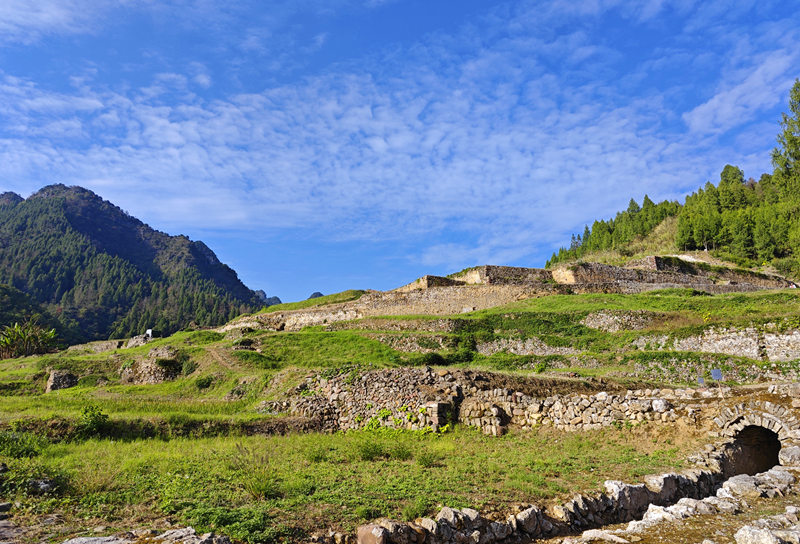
95,266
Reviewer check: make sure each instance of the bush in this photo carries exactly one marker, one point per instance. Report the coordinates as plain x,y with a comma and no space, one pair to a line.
203,382
251,524
400,451
188,367
93,422
317,454
368,512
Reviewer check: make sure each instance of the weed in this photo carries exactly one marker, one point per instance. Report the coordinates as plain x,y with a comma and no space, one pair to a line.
20,444
257,476
368,512
400,452
188,367
93,422
370,451
419,508
427,459
317,454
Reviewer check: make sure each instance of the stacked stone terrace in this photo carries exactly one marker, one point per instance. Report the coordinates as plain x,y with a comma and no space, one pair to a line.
758,454
420,398
485,287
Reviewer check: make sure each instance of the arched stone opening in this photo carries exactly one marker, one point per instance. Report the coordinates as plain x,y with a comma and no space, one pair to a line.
758,449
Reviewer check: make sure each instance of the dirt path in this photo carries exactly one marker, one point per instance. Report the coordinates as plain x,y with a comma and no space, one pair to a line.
223,360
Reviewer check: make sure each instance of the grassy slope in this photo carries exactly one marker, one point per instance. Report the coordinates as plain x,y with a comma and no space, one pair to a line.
240,484
344,296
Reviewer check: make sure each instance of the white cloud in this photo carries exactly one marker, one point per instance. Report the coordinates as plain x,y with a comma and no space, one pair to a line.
518,139
27,20
763,87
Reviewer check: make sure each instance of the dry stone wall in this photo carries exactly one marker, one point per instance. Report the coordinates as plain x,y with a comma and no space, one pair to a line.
419,398
490,286
527,346
702,490
766,342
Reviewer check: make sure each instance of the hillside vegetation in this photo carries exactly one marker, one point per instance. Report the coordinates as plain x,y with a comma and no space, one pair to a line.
751,223
106,274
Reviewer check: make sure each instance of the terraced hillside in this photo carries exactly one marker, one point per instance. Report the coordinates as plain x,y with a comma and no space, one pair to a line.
225,429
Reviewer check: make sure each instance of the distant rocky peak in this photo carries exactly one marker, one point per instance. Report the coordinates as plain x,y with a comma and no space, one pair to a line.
10,199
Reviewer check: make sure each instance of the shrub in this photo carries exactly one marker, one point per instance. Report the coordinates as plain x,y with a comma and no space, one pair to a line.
257,476
93,422
317,454
368,512
188,367
246,523
400,451
203,382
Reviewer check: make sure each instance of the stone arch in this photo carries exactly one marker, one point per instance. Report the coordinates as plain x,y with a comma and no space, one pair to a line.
776,418
763,433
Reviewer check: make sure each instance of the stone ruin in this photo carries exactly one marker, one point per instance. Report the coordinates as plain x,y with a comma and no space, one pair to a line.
758,454
489,286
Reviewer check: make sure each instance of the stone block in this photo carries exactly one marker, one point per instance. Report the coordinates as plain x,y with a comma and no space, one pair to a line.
372,534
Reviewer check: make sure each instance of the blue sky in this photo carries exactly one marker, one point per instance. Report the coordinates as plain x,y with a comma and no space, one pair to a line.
321,145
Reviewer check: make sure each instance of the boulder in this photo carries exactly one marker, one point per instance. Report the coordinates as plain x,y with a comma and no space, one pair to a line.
372,534
789,455
753,535
61,379
742,485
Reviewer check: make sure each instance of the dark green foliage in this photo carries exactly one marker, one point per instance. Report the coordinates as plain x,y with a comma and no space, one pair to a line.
748,222
20,444
17,307
95,267
248,523
617,233
93,422
27,338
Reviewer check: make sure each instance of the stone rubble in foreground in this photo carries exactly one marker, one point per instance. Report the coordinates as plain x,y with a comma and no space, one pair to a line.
731,498
186,535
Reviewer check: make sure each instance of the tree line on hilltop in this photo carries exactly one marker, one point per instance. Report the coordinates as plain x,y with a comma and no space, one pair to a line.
748,222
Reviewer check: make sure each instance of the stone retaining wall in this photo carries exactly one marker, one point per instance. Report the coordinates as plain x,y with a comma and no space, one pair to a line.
766,342
661,497
419,398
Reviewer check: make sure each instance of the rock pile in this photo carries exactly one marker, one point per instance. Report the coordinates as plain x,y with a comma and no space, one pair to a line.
783,528
186,535
661,498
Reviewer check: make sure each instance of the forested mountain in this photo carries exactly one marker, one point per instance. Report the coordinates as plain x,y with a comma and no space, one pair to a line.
96,268
17,307
746,221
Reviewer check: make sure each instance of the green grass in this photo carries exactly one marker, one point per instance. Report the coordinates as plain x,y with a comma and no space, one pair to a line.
335,480
316,349
344,296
